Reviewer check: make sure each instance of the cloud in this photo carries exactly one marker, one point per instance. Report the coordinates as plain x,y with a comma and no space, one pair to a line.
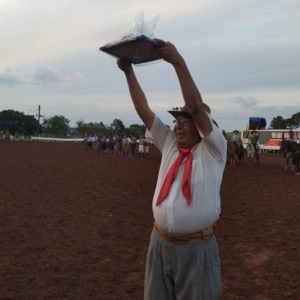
244,56
74,78
8,78
246,102
40,75
46,74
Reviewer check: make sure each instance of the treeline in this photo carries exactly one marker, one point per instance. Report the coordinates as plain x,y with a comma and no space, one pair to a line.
18,124
281,123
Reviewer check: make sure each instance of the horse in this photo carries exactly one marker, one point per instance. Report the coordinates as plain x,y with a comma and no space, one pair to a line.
292,151
235,152
252,154
289,156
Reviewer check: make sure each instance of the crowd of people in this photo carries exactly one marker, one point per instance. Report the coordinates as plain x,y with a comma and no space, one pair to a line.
124,146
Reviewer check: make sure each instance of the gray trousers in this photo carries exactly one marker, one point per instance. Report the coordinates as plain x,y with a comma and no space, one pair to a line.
182,271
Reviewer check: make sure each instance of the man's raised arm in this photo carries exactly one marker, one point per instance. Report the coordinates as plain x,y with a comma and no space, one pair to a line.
137,95
190,92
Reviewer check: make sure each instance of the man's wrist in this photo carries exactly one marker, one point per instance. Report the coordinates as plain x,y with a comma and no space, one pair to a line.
128,71
180,63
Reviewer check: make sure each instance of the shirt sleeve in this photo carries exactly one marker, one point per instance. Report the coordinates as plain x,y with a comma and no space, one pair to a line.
216,142
159,133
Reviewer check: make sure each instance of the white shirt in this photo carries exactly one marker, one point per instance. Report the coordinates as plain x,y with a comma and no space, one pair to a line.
209,157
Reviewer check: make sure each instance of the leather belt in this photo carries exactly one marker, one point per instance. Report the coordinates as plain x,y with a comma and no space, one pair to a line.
204,234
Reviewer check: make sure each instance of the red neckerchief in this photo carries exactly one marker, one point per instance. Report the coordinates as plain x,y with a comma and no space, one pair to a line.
172,173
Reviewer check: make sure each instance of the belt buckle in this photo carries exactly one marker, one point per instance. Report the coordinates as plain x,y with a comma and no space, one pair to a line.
207,233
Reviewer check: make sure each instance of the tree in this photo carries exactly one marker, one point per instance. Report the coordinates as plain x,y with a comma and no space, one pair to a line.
296,119
98,128
117,127
16,122
56,125
278,123
290,123
91,128
31,125
82,128
137,130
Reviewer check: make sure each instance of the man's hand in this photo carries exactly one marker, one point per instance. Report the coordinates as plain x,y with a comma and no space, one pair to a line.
168,52
124,65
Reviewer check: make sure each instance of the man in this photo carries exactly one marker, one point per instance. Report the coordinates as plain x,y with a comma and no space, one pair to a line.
183,257
236,136
133,142
291,136
239,148
254,136
253,140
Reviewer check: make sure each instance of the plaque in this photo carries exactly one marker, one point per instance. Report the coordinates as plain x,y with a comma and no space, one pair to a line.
137,50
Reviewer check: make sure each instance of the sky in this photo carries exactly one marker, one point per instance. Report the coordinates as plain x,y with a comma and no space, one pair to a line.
243,55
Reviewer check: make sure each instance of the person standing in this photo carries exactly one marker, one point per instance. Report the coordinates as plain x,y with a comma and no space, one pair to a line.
239,148
253,141
141,149
125,146
236,136
183,257
291,136
133,143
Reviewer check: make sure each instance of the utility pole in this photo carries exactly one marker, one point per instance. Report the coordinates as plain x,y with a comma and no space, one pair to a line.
39,114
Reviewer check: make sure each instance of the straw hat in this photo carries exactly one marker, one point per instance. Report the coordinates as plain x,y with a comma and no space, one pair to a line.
182,111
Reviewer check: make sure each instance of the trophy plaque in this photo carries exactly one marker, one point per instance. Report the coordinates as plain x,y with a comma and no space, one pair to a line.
137,50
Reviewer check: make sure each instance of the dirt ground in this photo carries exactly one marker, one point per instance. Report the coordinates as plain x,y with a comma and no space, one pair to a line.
76,225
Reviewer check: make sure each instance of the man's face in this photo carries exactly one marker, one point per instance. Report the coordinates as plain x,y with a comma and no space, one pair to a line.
185,132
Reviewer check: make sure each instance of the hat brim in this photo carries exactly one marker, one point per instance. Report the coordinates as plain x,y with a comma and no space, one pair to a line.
179,113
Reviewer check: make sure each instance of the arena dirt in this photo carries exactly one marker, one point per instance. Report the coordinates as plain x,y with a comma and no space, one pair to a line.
76,224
